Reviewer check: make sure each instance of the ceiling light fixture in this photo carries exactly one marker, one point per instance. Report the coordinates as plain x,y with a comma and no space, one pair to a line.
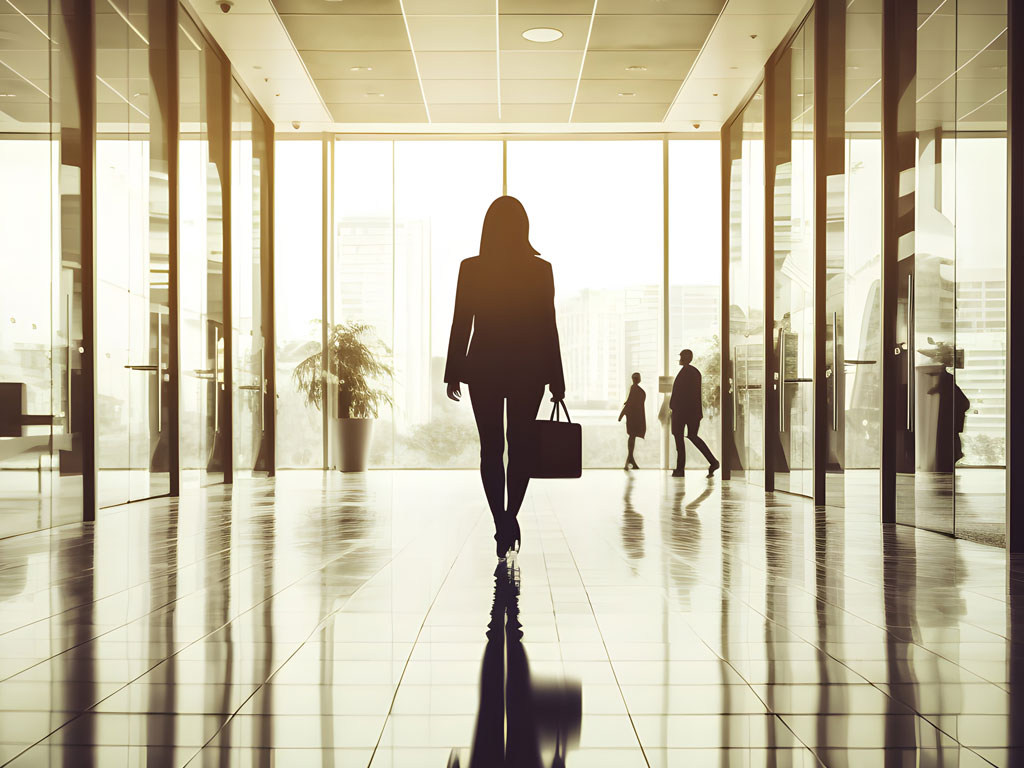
636,68
543,34
6,95
374,93
360,69
627,93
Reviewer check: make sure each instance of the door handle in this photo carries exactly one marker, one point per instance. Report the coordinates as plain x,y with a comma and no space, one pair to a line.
910,353
157,369
835,372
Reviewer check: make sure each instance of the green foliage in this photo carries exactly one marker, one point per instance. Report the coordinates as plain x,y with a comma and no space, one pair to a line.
710,366
353,367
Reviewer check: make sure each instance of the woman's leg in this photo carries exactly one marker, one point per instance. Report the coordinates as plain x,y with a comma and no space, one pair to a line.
632,444
522,412
488,409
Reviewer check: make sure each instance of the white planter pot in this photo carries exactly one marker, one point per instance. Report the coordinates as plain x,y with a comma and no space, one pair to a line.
352,443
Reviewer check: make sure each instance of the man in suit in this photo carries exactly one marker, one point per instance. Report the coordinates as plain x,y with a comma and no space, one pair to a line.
687,412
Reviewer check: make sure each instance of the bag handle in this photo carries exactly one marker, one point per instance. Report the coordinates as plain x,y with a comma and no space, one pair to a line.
556,416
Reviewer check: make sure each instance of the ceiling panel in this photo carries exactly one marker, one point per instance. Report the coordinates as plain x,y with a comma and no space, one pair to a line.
347,33
534,113
337,65
616,113
644,91
573,28
681,32
541,65
460,92
554,7
660,7
457,65
378,113
336,7
464,113
658,65
453,7
537,91
370,91
452,33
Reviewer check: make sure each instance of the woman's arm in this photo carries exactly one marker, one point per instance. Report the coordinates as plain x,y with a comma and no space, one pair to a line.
462,325
557,385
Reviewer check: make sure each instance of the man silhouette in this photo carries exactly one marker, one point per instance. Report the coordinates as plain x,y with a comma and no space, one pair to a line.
687,412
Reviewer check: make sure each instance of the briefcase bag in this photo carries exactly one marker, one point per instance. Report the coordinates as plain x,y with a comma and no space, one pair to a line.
557,446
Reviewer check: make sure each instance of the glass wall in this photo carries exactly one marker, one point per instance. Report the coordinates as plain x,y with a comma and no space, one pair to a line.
793,264
744,453
695,275
953,285
249,235
406,212
298,290
596,213
202,167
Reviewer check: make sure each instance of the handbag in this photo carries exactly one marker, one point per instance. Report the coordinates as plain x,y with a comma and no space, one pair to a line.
557,446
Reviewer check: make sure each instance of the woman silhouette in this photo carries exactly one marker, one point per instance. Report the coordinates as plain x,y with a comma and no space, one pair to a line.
506,300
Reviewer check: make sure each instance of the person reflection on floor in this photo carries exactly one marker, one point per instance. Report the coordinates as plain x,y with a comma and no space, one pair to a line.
632,527
521,723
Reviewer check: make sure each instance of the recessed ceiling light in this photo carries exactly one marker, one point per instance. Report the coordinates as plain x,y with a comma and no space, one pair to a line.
543,34
733,67
636,68
714,94
627,93
256,66
373,93
6,95
360,69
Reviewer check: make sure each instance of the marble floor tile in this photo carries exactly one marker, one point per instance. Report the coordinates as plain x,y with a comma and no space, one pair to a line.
362,620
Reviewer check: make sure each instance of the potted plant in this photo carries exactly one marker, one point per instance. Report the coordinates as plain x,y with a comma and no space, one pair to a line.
353,367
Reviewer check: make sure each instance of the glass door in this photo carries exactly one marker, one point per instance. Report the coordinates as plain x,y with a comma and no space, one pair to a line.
793,264
133,264
744,379
249,377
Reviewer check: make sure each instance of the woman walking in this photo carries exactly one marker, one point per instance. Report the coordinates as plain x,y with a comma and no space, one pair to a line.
636,419
505,299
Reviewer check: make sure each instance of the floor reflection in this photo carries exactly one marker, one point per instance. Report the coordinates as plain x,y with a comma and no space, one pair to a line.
337,620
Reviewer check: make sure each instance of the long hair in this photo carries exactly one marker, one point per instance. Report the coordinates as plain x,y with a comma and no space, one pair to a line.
506,230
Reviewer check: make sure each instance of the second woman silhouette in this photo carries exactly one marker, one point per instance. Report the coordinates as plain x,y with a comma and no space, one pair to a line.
504,346
636,419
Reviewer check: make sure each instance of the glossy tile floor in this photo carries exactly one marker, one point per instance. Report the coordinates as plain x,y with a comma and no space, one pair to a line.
360,620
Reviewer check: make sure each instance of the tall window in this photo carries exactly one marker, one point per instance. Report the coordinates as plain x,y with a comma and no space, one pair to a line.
595,211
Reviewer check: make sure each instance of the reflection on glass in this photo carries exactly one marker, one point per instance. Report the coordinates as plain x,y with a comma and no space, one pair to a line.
694,272
746,290
132,262
248,150
201,164
298,286
854,285
595,211
793,326
953,287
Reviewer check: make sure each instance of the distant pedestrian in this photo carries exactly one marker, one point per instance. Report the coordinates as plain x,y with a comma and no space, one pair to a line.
636,419
687,412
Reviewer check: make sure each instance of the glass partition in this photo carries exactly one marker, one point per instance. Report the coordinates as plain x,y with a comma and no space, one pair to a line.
132,258
202,165
248,240
745,451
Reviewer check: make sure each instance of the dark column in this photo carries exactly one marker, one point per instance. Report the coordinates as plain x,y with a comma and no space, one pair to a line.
1015,278
899,65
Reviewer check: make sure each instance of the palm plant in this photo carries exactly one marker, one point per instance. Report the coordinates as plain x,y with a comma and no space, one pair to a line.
353,367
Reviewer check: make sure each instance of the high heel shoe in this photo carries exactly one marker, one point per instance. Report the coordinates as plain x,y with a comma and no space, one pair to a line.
514,536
